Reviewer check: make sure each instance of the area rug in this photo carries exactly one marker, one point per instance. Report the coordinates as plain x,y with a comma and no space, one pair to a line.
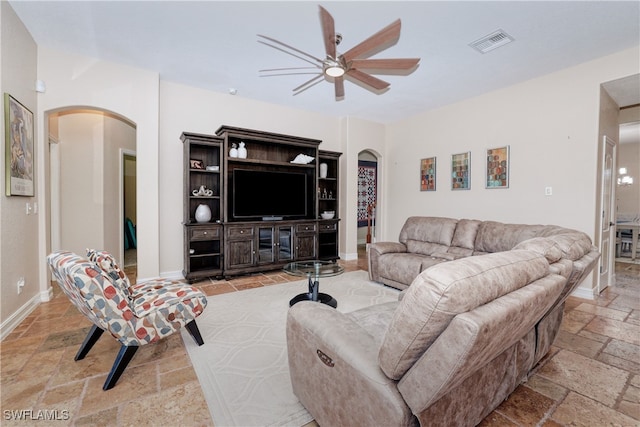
243,366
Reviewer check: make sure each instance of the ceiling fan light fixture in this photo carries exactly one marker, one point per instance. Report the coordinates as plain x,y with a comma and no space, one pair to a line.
334,71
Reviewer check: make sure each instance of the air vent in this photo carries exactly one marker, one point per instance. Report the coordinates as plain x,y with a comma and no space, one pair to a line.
492,41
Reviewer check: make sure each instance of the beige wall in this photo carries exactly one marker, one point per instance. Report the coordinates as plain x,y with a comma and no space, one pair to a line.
78,81
89,146
19,256
551,125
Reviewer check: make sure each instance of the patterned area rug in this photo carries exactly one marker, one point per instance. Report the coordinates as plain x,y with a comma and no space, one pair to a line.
243,367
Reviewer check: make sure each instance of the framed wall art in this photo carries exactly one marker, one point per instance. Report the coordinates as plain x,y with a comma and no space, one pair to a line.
428,174
460,171
19,162
498,167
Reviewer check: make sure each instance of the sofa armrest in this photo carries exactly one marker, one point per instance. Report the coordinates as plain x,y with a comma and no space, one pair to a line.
376,250
330,356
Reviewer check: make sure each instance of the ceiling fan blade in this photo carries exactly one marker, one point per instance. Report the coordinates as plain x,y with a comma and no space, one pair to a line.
339,86
388,34
385,64
306,85
288,47
368,79
328,32
289,68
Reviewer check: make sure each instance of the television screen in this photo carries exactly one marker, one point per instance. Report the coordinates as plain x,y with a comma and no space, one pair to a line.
259,194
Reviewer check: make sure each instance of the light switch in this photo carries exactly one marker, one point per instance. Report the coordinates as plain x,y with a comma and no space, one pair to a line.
548,191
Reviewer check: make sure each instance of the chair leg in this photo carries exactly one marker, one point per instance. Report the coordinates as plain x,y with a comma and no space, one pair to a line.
192,327
94,334
122,360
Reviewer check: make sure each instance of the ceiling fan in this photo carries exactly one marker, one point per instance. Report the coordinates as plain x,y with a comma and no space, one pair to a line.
336,67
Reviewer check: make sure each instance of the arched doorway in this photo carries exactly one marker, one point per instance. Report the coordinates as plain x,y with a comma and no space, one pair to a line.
92,181
367,200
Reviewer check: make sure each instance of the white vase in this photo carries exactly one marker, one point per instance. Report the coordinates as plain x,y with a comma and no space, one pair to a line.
242,151
203,213
233,151
323,170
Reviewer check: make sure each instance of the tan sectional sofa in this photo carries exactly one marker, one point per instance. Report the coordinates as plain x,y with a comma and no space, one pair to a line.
465,333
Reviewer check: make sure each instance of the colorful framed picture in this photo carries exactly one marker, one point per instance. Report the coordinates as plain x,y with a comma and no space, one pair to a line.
498,168
428,174
461,171
19,161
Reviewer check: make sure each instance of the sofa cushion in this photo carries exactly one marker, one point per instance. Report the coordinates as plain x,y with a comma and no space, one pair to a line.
544,246
465,234
401,267
495,236
107,263
441,292
574,245
428,229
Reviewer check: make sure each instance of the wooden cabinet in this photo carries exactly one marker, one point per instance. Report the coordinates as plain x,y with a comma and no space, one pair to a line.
230,243
328,198
203,185
306,238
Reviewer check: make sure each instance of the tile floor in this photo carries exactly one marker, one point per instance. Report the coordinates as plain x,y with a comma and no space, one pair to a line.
591,377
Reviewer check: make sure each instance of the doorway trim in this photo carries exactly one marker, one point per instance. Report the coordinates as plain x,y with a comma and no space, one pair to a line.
606,274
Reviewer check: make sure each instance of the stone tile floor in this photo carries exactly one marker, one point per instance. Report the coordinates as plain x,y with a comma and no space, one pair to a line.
591,377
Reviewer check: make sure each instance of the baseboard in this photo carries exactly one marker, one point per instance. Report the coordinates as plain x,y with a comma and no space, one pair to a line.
583,293
18,316
349,257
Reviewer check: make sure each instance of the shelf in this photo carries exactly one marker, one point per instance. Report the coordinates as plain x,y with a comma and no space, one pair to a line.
270,162
203,197
203,171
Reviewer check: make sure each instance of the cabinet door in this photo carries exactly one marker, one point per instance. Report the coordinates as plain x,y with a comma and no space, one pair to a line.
266,245
285,243
306,246
240,247
240,253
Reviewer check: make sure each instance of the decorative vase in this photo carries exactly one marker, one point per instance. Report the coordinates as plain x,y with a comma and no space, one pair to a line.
323,170
233,152
203,213
242,151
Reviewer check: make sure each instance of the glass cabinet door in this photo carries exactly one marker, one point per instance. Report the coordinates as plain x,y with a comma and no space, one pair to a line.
285,243
266,242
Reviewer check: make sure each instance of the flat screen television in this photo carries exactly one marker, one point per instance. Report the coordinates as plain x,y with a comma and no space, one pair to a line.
264,194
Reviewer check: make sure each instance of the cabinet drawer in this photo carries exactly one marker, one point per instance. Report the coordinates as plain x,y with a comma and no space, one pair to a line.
204,233
236,232
306,228
331,226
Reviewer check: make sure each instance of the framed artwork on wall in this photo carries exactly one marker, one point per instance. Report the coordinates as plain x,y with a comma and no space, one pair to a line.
19,161
428,174
498,168
460,171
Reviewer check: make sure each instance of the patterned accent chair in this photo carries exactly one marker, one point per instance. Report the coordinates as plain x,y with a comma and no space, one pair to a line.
135,315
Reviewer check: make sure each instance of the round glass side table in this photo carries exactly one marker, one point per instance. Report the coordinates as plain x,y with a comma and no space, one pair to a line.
314,270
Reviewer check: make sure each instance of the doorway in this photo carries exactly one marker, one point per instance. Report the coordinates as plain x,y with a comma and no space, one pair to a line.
86,174
367,201
128,200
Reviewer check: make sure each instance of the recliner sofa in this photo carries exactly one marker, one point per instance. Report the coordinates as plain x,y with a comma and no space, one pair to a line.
482,302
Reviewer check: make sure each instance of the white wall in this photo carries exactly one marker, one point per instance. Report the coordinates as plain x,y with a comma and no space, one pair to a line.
551,125
187,109
81,149
78,81
19,254
89,144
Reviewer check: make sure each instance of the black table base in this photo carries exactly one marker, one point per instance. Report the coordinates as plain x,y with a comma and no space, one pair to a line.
322,298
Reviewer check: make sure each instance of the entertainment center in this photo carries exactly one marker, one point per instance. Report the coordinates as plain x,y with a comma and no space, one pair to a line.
259,207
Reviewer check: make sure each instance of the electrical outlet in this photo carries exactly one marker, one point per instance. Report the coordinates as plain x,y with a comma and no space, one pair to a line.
20,284
548,191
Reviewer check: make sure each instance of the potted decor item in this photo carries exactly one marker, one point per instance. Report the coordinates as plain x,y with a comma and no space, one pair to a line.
242,151
233,151
323,170
203,213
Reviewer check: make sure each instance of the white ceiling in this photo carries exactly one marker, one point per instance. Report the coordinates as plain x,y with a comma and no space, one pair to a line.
213,44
